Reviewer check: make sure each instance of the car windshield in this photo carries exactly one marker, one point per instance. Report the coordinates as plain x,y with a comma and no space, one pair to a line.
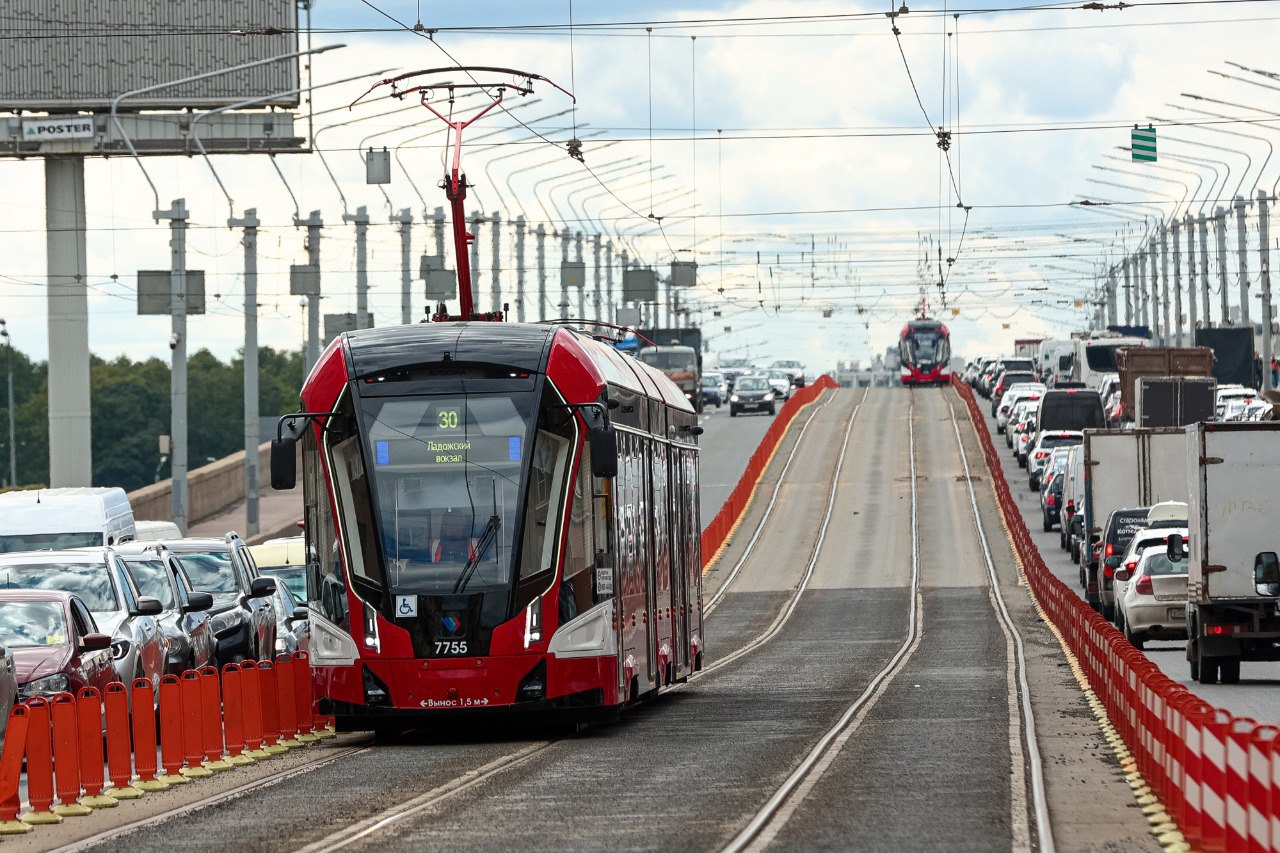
1124,526
48,541
210,572
711,380
1011,379
669,358
152,580
1050,441
32,623
751,383
90,581
742,363
294,577
446,474
1018,365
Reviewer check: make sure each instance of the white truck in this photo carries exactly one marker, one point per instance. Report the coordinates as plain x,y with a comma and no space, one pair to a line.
1123,469
43,519
1232,564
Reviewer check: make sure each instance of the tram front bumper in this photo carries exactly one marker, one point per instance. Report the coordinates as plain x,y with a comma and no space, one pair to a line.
517,682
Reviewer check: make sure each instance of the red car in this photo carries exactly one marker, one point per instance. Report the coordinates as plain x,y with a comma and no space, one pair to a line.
55,643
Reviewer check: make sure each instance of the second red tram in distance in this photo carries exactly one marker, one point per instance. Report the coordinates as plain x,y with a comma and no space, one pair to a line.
924,349
498,516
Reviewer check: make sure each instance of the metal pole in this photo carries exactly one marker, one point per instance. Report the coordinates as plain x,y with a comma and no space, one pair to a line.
312,350
1111,297
1264,267
1140,295
1177,284
70,439
520,227
361,220
437,232
597,298
177,216
1192,308
1242,260
250,225
610,312
1220,232
563,307
405,218
1203,222
13,432
582,282
1164,283
495,290
474,283
541,253
1128,295
1154,301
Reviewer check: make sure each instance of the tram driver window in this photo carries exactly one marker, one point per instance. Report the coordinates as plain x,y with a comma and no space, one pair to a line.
575,588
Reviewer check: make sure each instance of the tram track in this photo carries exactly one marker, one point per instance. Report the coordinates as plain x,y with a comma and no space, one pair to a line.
364,829
764,825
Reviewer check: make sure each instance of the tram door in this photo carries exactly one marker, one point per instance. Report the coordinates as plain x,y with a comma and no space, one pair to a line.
660,576
679,560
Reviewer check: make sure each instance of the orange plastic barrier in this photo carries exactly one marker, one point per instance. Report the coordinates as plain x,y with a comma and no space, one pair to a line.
251,690
193,727
15,747
285,703
171,734
66,756
270,708
715,533
211,719
233,714
119,747
89,722
40,764
302,695
1217,775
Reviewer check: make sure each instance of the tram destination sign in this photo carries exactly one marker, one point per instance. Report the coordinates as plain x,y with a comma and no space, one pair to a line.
445,449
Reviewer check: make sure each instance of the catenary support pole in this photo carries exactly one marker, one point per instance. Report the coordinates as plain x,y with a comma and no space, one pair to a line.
361,221
1153,300
1140,294
610,314
1264,272
1128,295
540,252
582,282
1242,259
437,232
520,309
1193,308
1203,222
405,220
563,307
314,225
495,263
177,216
249,222
1220,232
476,218
597,298
1165,328
1175,228
67,301
1111,297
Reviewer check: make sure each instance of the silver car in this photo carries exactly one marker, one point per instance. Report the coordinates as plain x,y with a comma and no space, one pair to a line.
1151,596
185,622
99,578
8,688
293,628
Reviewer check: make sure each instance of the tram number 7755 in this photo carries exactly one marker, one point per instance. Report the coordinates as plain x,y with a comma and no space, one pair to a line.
451,647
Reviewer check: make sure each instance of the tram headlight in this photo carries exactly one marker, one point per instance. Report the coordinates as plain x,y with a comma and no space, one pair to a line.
371,638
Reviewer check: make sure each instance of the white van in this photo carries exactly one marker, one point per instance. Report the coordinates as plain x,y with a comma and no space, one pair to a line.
156,531
1095,356
1055,359
57,519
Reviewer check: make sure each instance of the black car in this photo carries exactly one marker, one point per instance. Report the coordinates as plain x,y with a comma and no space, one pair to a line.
752,394
243,612
1120,530
1051,502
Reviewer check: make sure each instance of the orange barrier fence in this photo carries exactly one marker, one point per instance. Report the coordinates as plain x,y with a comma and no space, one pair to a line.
1217,775
715,533
202,731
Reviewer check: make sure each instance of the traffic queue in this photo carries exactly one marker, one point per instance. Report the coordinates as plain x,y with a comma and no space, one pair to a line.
91,596
1157,466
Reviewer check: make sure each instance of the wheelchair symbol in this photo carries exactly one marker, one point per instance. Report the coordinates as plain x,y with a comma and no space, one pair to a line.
407,605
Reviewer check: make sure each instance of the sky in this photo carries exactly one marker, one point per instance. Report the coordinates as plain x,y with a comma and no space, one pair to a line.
790,158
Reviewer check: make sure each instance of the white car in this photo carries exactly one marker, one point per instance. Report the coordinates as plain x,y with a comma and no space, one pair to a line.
1015,394
1151,593
1045,442
1017,414
1230,393
780,382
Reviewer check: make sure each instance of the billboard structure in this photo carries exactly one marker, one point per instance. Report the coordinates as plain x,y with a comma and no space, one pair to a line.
82,78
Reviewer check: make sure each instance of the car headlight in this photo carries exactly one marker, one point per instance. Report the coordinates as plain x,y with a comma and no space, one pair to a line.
281,648
119,649
768,398
46,686
733,398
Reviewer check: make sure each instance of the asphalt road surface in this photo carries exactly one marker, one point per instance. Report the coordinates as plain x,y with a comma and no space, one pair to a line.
727,446
816,623
1255,695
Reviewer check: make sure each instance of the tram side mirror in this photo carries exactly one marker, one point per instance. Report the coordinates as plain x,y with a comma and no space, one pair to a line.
1266,573
1176,548
604,450
284,463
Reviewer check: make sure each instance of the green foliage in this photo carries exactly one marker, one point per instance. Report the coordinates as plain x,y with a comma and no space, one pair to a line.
130,410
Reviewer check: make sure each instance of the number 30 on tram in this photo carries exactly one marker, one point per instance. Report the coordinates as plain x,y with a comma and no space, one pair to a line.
498,516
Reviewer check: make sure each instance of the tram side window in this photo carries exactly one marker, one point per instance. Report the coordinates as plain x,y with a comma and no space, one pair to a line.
351,483
575,588
552,451
326,583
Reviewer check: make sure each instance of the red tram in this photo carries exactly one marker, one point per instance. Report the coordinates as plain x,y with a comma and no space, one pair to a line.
924,349
498,516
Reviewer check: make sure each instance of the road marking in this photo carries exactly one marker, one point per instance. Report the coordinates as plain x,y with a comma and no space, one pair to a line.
1043,827
773,815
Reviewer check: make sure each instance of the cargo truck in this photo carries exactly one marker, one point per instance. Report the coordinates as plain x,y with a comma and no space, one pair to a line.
1123,469
1232,564
1133,363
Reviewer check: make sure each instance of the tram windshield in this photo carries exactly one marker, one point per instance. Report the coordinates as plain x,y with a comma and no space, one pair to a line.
445,473
926,345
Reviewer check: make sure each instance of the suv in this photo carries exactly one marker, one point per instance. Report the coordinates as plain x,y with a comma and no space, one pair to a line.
1006,381
1038,456
243,612
1116,536
185,620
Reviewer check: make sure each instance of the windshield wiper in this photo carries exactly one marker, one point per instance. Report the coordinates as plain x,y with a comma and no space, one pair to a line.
489,534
